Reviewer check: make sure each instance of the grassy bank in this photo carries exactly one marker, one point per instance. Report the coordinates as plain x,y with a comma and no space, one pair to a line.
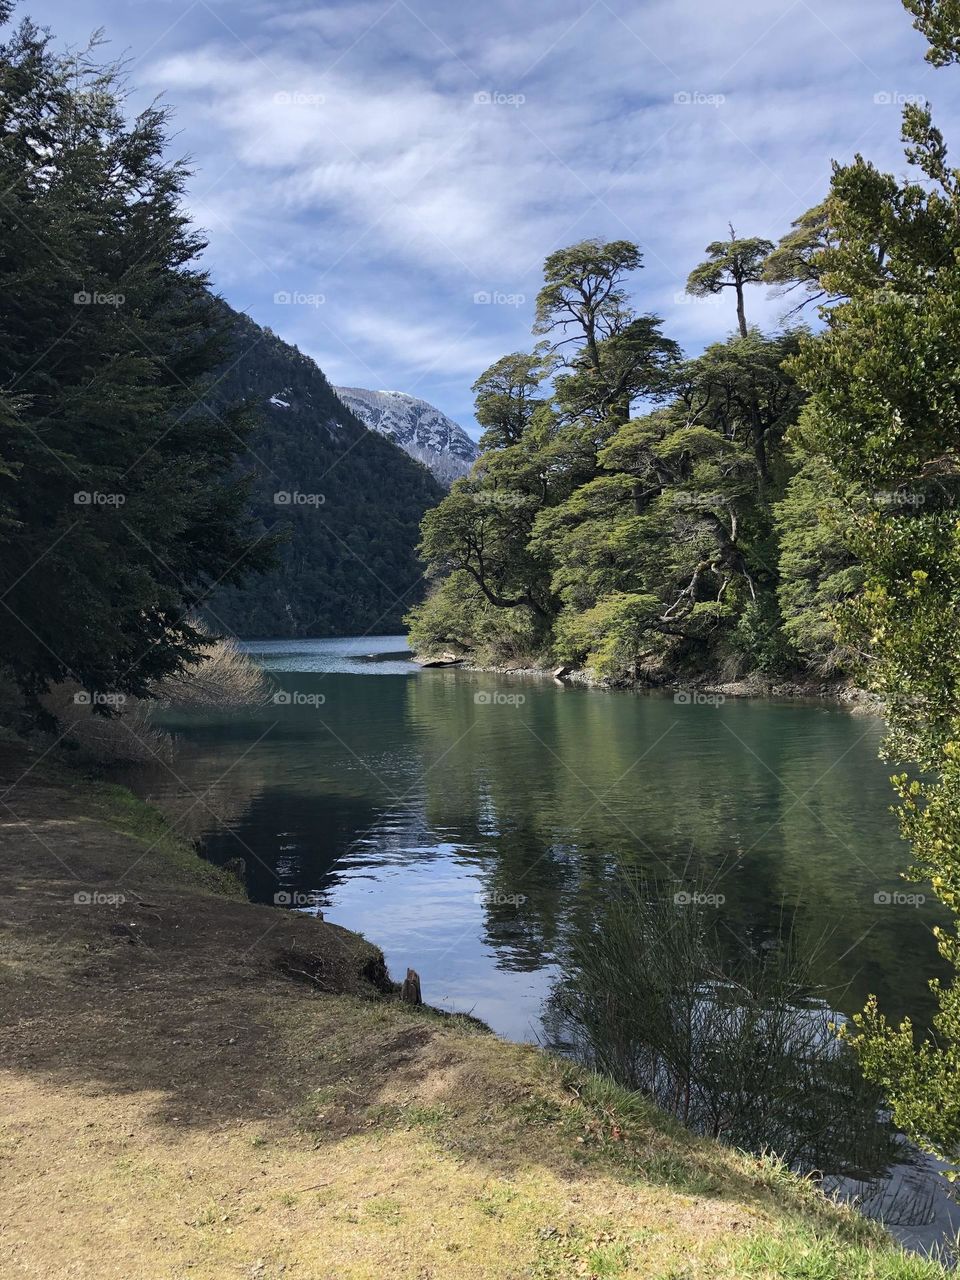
194,1086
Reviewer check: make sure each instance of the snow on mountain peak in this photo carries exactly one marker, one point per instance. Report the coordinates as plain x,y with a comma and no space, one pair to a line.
423,430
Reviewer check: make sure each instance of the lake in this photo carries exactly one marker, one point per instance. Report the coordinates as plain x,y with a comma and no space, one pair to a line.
470,823
463,821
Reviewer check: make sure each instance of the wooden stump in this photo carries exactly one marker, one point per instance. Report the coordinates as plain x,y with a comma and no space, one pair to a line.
410,990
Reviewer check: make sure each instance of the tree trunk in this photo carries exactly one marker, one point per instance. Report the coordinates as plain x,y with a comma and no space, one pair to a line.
741,310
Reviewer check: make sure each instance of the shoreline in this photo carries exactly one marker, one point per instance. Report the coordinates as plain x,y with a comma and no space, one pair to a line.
840,691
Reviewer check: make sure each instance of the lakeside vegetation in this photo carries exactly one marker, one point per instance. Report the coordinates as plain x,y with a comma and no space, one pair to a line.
791,501
632,545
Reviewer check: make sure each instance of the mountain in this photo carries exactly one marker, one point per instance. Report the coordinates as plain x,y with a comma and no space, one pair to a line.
348,501
420,428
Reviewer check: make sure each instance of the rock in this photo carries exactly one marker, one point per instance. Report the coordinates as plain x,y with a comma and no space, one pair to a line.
560,672
445,661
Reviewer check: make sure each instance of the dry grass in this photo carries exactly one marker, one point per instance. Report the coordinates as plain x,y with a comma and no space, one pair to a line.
172,1105
227,679
125,736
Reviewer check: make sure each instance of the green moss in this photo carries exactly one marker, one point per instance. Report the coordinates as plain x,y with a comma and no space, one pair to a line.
169,857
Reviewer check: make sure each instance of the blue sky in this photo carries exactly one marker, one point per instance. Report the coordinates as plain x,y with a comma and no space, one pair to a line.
384,162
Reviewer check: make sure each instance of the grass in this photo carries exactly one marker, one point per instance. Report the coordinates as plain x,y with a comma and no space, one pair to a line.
173,1105
166,856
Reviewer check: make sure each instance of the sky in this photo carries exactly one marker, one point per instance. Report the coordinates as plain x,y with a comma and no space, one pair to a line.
380,180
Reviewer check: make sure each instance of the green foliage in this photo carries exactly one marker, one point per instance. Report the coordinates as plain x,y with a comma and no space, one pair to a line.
583,289
506,397
612,633
885,415
122,496
631,544
939,20
457,608
635,361
795,262
724,1036
818,571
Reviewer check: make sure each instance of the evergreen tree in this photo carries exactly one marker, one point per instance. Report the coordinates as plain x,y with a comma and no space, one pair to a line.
885,415
939,20
586,535
121,498
818,572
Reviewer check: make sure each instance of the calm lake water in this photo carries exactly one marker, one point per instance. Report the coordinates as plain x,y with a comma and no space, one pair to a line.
470,823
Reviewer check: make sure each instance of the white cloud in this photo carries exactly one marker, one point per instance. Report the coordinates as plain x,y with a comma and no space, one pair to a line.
398,196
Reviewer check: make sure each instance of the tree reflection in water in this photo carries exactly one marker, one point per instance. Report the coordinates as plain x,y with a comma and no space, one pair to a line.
731,1038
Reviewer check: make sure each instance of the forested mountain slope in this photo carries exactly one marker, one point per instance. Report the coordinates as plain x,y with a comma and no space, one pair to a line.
348,499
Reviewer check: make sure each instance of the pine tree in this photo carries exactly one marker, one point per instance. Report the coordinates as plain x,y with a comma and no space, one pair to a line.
122,502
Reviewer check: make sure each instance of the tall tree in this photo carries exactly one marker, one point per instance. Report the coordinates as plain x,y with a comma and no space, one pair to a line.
732,264
120,486
742,390
885,415
637,362
608,539
584,291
